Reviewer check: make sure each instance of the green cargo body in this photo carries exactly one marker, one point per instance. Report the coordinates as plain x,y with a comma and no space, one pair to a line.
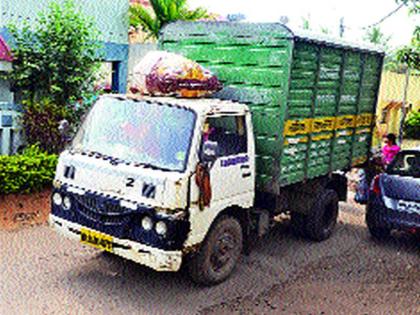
312,99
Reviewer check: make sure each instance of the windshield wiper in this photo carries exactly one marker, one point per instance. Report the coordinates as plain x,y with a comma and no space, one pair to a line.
153,167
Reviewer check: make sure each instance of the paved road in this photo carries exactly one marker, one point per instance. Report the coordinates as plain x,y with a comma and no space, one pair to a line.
42,273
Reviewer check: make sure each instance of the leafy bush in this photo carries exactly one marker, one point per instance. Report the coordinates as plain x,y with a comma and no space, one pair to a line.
54,70
31,171
412,125
56,56
40,123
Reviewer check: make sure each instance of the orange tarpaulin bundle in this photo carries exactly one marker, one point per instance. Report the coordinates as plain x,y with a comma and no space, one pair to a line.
163,73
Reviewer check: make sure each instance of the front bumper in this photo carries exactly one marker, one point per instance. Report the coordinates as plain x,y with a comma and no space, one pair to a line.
154,258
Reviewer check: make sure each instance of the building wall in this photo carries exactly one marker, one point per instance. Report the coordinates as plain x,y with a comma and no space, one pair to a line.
391,95
109,16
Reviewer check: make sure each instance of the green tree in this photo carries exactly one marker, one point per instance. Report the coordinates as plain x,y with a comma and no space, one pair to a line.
375,36
413,5
410,54
325,30
306,23
54,66
55,57
164,12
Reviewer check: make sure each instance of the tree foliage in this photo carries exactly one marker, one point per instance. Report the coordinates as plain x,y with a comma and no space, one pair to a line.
55,57
410,54
413,5
412,126
54,66
164,12
375,36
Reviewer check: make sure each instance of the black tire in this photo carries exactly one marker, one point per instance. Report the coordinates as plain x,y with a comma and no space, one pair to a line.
298,223
375,229
218,254
322,219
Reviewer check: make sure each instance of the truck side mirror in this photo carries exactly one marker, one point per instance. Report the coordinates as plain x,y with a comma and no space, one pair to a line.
64,129
209,151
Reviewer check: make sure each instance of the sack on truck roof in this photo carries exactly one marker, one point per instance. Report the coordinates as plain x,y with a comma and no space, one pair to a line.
168,74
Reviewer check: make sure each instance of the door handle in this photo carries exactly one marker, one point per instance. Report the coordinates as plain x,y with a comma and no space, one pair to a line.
245,175
245,166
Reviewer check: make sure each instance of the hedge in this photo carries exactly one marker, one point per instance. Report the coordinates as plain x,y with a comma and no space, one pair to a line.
31,171
412,126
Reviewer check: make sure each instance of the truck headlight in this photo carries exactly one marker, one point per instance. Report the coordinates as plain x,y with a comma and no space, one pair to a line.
57,199
66,203
161,228
147,223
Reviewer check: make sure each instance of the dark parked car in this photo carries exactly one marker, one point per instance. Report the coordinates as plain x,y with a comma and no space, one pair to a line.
394,196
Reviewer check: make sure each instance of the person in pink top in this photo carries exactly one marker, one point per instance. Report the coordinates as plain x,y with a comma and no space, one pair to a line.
390,149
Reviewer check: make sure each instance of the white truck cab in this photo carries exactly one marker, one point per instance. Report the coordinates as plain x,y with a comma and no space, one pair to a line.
156,180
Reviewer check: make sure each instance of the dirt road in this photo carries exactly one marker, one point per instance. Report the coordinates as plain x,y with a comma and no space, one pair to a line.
42,273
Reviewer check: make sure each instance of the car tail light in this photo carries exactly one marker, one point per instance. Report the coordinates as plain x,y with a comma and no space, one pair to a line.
375,188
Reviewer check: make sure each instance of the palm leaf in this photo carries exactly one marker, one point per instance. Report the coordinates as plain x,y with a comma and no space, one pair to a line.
139,16
166,11
196,14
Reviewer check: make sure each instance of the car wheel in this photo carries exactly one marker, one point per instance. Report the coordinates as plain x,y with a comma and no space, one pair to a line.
375,229
320,222
218,254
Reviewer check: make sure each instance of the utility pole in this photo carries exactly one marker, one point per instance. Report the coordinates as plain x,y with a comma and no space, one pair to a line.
341,28
404,106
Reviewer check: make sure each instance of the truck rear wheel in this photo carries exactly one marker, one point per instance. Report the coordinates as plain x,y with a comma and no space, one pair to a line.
320,222
219,253
298,223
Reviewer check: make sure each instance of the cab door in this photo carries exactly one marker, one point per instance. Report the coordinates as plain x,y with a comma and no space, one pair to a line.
232,174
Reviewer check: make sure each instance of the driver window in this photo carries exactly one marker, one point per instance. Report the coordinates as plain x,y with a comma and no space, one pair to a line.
229,132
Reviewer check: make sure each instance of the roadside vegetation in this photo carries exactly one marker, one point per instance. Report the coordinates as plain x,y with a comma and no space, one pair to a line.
54,70
54,67
30,171
151,20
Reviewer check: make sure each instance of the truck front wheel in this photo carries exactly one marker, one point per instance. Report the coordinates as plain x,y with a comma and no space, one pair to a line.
219,253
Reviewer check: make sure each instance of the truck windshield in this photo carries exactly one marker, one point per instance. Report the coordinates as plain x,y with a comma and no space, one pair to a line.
153,134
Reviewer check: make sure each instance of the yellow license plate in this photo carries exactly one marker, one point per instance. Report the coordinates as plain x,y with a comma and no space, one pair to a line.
96,239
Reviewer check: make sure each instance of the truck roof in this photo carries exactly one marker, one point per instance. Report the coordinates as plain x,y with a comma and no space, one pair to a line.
198,105
263,31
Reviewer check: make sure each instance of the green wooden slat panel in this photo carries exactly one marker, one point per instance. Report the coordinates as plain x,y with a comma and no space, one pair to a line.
292,159
249,94
265,164
318,171
341,164
292,178
304,65
267,123
301,94
250,75
303,83
267,145
328,85
299,112
324,111
263,180
263,33
238,55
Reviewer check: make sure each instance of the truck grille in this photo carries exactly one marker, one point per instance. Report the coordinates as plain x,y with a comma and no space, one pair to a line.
101,211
